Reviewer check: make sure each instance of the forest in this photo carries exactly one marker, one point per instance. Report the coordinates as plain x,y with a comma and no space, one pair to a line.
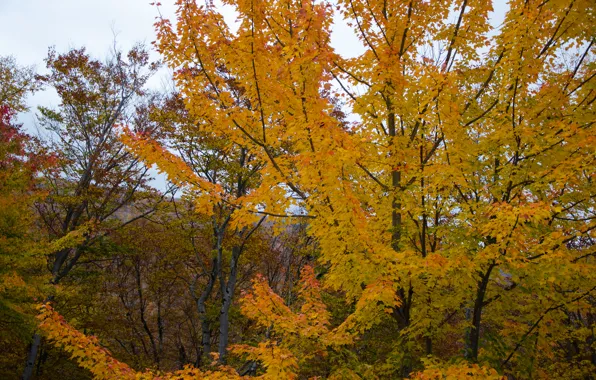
423,210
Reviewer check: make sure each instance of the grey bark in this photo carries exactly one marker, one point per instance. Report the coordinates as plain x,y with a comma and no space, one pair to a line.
227,297
32,356
202,309
479,303
227,292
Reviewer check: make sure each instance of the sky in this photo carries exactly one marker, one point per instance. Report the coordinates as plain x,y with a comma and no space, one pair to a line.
29,27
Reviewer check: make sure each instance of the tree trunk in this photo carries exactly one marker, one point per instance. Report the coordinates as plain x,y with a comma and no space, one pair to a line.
33,350
224,324
205,331
401,313
402,316
474,336
227,297
202,309
32,356
395,183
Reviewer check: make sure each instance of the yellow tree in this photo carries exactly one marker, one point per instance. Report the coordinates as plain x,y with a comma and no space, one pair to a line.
454,204
460,200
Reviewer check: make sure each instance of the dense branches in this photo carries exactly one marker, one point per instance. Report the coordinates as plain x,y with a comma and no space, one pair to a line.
422,209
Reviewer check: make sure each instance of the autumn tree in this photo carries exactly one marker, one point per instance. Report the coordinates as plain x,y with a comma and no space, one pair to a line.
138,292
136,295
17,82
21,275
99,185
451,200
219,176
22,160
460,200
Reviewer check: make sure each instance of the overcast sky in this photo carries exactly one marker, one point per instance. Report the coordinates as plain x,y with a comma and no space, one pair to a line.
29,27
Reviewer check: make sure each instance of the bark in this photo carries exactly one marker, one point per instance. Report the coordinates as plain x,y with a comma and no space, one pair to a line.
227,291
400,313
32,356
227,297
202,310
182,358
395,183
249,369
474,335
33,351
160,327
429,345
154,349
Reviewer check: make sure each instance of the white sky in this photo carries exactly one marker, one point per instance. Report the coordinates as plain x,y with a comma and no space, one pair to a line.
29,27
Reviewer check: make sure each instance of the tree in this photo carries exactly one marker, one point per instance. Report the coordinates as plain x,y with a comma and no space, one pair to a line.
138,289
17,82
98,180
21,161
136,293
218,176
446,174
21,274
455,201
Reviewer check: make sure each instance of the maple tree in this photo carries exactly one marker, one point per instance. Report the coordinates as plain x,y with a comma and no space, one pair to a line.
97,179
435,191
22,276
459,202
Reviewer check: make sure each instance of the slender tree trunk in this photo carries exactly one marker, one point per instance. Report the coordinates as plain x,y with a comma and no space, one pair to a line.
57,273
205,330
182,359
402,316
401,313
33,350
202,309
474,336
32,356
429,345
224,325
160,329
395,183
154,350
227,297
